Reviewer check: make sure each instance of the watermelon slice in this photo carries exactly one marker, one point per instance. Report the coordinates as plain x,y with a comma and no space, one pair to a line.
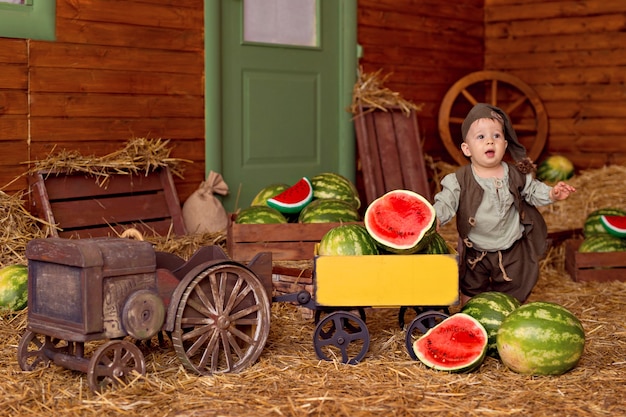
401,221
457,344
615,225
294,198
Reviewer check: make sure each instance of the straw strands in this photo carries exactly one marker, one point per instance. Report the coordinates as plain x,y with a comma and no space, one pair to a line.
288,379
370,93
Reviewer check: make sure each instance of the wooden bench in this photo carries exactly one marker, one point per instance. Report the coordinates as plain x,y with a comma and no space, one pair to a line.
390,151
81,207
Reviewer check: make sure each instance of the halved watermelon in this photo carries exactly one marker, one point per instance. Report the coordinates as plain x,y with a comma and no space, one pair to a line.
294,198
401,221
615,225
457,344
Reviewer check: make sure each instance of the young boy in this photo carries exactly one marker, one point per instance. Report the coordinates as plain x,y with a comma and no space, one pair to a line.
502,234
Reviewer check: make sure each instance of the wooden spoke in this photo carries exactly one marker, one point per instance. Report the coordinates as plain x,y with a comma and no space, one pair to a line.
113,364
222,321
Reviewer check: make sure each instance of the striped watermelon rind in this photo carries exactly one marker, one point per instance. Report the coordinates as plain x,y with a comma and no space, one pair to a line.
329,211
329,185
602,243
346,240
614,225
437,245
13,287
593,224
401,221
260,215
490,309
541,338
268,192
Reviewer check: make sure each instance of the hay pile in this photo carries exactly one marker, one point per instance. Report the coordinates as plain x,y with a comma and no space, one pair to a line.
288,380
370,92
137,156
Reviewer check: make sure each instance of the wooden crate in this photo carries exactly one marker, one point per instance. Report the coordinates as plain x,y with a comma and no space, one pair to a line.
287,242
390,150
81,207
598,266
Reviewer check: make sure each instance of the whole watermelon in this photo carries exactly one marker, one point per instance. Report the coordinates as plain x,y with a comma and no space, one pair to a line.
335,186
602,243
260,215
541,338
593,225
437,245
270,191
490,309
347,239
13,287
329,211
555,168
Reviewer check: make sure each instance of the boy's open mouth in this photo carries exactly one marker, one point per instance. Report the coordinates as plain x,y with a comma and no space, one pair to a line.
490,153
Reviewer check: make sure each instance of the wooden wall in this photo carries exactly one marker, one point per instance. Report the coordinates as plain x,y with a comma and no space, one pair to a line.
425,46
573,53
117,71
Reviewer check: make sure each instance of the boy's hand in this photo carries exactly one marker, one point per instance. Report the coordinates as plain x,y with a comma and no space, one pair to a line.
561,191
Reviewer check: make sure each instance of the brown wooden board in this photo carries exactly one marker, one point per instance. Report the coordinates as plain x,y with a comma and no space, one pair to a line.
596,266
82,207
287,242
390,151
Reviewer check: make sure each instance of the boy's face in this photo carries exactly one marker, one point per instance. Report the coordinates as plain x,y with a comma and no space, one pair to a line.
485,144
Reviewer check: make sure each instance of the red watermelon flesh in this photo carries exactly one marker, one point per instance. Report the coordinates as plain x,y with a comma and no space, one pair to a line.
400,221
615,225
294,198
457,344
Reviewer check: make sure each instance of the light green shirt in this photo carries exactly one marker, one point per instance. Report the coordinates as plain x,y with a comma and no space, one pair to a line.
497,221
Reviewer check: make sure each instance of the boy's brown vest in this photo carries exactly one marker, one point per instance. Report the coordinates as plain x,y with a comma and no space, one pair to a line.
471,196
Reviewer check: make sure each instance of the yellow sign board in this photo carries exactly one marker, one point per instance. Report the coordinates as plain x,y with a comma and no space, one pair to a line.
386,280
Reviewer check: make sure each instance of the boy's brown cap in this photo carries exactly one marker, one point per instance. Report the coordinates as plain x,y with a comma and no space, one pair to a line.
516,149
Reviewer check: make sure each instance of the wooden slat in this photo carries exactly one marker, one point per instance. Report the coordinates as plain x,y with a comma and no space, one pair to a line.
78,204
390,151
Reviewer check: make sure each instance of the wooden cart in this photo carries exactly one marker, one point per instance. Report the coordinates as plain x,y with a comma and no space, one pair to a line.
345,284
216,310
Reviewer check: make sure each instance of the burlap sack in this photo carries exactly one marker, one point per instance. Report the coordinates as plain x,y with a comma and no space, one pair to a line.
203,212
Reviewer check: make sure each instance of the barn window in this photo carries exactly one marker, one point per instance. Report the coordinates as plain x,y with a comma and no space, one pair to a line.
28,19
283,22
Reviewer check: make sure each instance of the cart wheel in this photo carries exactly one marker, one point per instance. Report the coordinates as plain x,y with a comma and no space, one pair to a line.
113,364
516,98
143,314
420,325
343,331
31,350
222,321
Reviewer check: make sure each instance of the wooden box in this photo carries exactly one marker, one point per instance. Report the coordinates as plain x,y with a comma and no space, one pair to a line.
287,242
81,207
597,266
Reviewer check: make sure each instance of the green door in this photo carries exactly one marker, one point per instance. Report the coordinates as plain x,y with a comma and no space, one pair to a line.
287,73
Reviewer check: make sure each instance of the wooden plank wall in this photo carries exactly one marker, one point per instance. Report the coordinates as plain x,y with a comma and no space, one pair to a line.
573,53
117,71
425,46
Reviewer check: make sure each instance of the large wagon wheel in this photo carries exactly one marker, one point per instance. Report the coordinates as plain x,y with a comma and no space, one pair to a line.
419,326
222,321
31,350
501,89
114,363
341,335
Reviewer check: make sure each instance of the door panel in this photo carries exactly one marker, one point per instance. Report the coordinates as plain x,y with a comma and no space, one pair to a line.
284,106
